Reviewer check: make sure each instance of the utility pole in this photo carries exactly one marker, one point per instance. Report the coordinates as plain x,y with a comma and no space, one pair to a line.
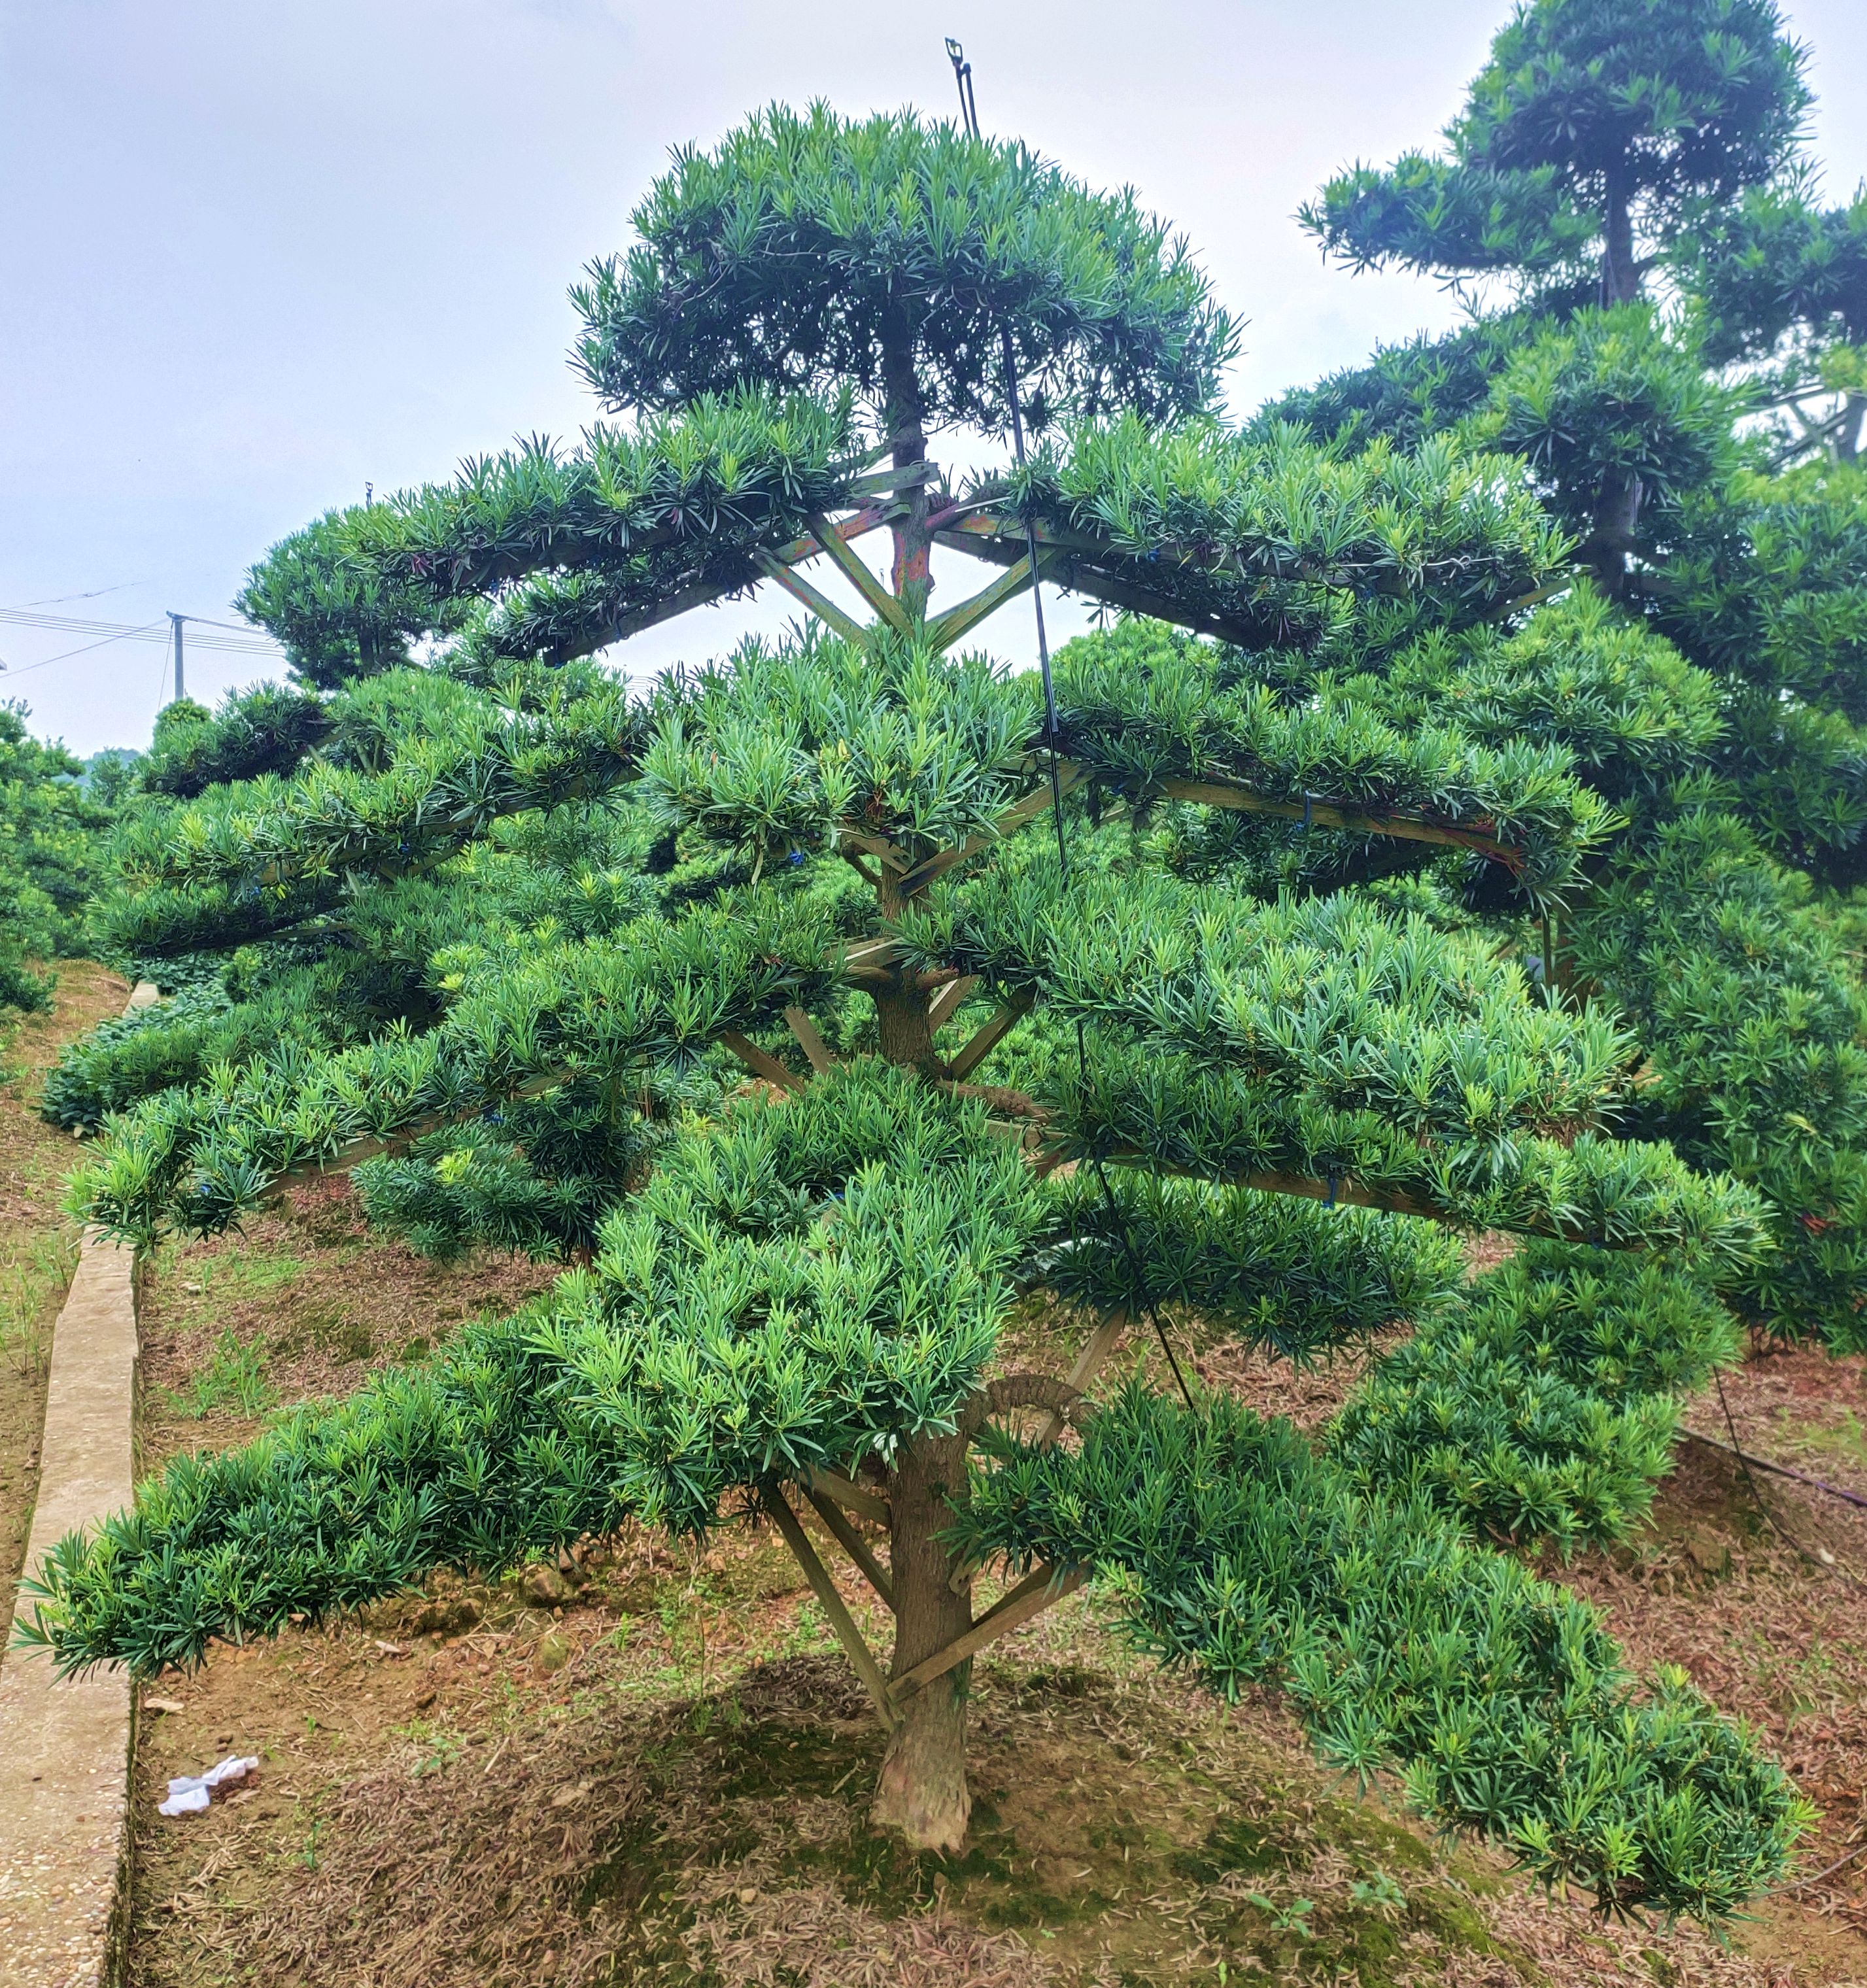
176,621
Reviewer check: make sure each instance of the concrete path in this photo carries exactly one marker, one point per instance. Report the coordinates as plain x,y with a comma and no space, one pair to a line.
64,1747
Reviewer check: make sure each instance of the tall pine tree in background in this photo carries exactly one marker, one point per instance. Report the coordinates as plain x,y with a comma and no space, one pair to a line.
838,994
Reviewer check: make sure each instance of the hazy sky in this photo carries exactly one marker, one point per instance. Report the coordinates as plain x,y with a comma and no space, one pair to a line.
258,255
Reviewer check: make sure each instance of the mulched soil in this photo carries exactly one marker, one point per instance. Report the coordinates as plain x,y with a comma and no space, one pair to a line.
1757,1587
667,1781
38,1241
655,1769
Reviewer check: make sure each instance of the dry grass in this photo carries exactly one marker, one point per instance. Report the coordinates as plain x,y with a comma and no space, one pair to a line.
667,1781
39,1242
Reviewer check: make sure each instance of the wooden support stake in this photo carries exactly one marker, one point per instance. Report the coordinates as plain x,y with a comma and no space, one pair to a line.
943,632
761,1063
866,1504
1326,814
1041,1589
1079,573
809,1040
940,1009
877,845
1069,775
841,1620
987,1039
820,604
870,518
855,569
873,959
884,482
1096,1349
854,1544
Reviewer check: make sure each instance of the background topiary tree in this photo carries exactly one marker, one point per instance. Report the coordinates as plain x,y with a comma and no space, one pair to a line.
1657,431
1263,1106
52,848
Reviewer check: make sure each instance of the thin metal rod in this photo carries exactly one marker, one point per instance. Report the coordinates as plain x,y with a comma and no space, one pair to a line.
969,108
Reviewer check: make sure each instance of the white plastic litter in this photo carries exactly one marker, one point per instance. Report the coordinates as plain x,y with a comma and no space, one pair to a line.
189,1794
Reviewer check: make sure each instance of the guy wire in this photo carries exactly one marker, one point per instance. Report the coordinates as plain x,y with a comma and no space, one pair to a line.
969,115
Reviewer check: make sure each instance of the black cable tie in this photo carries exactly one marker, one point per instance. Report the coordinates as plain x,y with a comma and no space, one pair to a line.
1306,800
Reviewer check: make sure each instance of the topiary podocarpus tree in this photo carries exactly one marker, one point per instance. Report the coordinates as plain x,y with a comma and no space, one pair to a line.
1597,128
1267,1111
1640,427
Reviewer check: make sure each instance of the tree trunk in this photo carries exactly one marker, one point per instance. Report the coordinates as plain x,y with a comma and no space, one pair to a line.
912,577
922,1788
1620,272
906,1034
922,1791
1617,516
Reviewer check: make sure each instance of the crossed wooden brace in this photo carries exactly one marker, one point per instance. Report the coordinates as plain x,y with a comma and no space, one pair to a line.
833,1496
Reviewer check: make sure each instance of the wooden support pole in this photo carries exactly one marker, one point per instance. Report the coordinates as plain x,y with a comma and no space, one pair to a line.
854,1544
1040,1589
886,483
987,1038
1089,1362
854,568
879,847
841,1620
856,1498
809,1040
820,604
1327,814
947,629
871,959
940,1009
761,1063
1069,776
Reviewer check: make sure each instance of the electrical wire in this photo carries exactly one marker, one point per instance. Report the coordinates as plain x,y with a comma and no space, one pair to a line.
72,624
207,621
53,599
45,662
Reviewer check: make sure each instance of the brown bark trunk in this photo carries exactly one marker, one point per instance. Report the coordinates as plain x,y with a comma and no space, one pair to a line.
1617,516
906,1037
905,1032
1620,272
922,1790
912,577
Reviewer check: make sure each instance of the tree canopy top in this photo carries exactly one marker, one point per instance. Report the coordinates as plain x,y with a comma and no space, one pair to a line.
1591,116
1673,98
809,251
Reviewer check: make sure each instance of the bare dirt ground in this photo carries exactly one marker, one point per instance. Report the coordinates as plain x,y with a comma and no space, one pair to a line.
38,1241
299,1303
658,1770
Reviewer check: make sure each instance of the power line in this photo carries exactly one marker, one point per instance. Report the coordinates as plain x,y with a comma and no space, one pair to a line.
70,624
96,593
129,634
202,621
